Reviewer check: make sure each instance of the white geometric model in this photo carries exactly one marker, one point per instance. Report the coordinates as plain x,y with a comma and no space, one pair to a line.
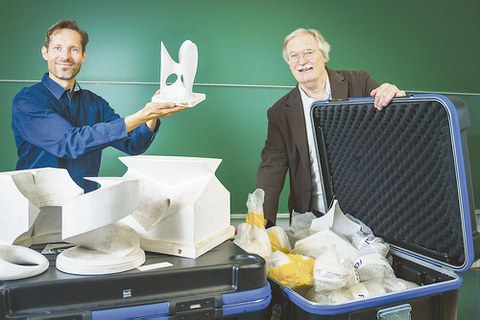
45,205
171,205
90,221
184,210
29,202
29,214
181,91
17,262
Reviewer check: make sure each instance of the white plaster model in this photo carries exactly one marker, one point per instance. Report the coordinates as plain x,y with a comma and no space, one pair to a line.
29,201
17,262
45,205
181,91
91,222
336,221
29,197
186,207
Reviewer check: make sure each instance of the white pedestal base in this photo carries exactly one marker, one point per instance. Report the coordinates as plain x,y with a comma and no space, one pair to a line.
80,260
187,250
195,99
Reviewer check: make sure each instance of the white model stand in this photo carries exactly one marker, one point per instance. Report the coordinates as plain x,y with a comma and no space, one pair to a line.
185,208
181,91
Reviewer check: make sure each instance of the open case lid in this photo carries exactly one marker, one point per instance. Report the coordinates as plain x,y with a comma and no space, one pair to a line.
403,171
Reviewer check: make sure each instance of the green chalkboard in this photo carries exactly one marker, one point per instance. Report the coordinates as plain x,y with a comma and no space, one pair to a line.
429,46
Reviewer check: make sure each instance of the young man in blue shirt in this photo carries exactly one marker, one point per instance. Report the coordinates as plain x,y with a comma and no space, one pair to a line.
58,124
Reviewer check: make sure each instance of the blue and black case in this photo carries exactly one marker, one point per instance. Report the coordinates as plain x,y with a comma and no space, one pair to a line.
224,283
404,171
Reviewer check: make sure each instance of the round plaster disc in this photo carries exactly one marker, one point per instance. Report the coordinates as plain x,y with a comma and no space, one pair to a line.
84,261
17,262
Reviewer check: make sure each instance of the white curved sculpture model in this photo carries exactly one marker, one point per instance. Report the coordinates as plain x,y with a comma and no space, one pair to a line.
90,221
29,201
31,197
181,91
184,208
17,262
171,205
45,205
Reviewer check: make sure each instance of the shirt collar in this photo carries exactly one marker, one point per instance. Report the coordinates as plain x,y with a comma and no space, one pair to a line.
328,92
56,89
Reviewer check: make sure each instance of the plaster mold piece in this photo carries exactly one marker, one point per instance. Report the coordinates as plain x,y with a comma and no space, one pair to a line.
188,209
116,199
29,200
45,205
17,262
91,221
181,91
336,221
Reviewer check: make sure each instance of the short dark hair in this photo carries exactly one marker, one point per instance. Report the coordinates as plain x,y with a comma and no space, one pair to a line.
66,24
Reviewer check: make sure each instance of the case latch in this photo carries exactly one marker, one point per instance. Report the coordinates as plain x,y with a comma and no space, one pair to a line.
401,312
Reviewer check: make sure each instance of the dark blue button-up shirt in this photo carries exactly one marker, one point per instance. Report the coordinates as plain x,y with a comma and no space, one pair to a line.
55,128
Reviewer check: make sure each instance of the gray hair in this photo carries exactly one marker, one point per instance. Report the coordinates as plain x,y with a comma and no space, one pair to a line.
323,45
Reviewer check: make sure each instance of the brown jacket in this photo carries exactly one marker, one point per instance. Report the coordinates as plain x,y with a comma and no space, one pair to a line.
286,147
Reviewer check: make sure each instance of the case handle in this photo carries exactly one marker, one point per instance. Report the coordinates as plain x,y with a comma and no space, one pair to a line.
401,312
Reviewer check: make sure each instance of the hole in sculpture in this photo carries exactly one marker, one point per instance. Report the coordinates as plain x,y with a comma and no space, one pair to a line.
172,78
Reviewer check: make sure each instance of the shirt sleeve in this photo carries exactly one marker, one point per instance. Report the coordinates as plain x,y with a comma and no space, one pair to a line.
138,140
41,126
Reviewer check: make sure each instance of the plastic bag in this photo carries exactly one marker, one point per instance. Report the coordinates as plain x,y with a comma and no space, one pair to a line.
251,235
279,239
300,226
329,297
369,243
397,284
292,270
329,273
314,245
373,266
367,289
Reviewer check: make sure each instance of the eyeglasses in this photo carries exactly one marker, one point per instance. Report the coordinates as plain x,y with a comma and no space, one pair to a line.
307,54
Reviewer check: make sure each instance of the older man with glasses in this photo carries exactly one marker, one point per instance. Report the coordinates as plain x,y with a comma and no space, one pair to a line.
290,144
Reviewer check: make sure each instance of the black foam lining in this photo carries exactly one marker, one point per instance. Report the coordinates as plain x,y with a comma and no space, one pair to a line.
394,169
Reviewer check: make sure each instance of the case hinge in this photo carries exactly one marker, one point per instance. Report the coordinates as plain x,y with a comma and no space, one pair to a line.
401,312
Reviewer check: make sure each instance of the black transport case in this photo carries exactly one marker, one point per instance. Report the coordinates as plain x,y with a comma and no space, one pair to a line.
403,171
224,283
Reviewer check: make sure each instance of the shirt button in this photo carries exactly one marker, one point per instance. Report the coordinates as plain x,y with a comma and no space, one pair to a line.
307,190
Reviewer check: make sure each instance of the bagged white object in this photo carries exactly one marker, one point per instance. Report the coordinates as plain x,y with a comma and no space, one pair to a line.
251,235
279,239
253,239
397,284
373,266
299,227
329,297
369,243
367,289
317,243
329,273
292,270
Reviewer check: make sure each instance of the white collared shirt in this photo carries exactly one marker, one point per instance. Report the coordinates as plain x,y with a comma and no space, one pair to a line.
317,190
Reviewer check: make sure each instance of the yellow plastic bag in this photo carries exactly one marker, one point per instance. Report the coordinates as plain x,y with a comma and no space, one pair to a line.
292,270
279,239
251,235
256,219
